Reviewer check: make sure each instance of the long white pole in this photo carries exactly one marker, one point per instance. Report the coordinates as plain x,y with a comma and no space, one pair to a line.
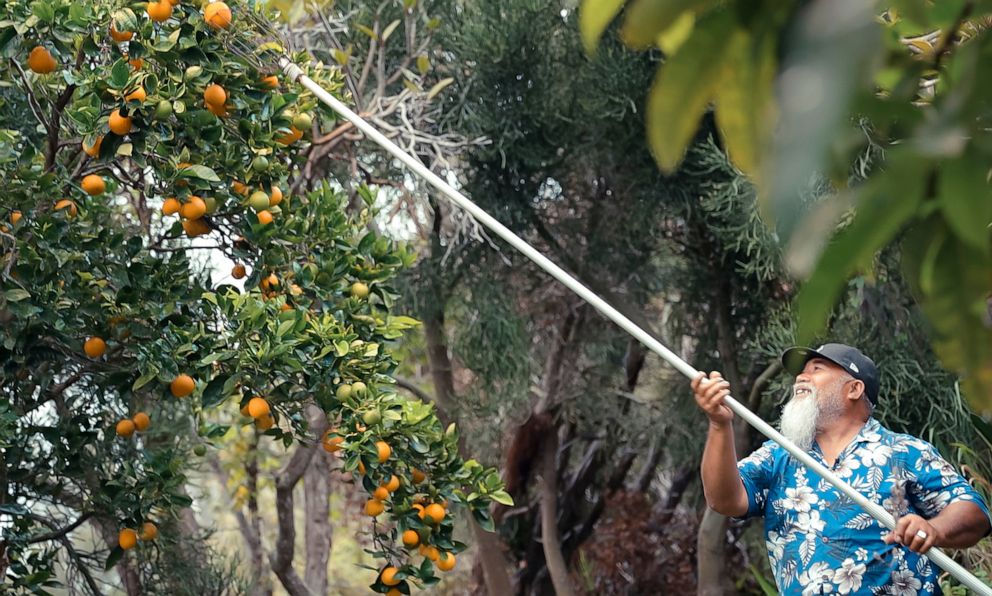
296,74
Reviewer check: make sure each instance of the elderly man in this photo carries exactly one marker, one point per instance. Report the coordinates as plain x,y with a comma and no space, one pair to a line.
819,542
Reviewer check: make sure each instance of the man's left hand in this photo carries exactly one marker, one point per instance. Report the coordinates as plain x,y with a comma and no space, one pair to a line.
915,533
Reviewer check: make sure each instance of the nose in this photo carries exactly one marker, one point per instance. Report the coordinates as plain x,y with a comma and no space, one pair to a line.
802,378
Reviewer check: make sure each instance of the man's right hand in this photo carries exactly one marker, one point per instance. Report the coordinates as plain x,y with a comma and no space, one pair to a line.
709,393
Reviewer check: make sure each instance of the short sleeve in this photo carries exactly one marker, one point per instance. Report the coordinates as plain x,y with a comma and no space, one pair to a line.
938,484
756,474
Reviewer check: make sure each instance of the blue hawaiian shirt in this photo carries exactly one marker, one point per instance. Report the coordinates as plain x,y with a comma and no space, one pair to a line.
821,542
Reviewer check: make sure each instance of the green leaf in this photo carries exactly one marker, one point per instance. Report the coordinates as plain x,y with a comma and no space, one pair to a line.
683,89
744,99
16,295
594,17
367,31
966,200
439,86
115,555
887,203
201,172
389,30
145,379
214,393
955,301
645,20
120,73
502,497
341,348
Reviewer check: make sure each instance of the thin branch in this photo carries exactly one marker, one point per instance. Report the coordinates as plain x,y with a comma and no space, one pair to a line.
58,534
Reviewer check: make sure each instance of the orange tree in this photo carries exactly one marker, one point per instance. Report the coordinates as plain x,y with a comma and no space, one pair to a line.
138,142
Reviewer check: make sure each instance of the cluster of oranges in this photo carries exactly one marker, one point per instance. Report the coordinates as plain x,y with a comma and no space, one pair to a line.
128,538
431,513
258,409
218,16
139,422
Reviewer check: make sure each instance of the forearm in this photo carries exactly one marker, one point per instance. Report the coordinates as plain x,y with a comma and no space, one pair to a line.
960,525
722,483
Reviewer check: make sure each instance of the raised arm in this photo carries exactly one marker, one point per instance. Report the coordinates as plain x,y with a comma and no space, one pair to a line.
722,483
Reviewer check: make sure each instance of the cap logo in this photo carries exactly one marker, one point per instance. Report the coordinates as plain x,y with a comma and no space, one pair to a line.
854,367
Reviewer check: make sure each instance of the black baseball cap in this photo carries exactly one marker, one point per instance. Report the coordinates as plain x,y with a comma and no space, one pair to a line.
850,359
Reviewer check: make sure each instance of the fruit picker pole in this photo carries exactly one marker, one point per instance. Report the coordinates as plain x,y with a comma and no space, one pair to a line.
296,74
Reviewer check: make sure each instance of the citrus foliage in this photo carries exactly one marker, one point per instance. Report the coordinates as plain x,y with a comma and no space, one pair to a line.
126,131
913,71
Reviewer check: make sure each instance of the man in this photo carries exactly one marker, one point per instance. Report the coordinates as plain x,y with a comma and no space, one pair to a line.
819,542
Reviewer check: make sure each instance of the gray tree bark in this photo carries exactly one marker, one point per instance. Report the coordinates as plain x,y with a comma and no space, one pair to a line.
317,490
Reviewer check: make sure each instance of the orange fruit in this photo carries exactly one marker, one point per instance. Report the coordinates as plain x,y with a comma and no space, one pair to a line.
284,307
194,208
380,494
214,95
332,444
276,197
174,2
240,188
411,539
446,562
94,149
127,539
359,290
171,206
264,217
383,450
394,592
15,216
195,227
265,423
119,125
217,110
430,552
95,347
417,476
238,271
434,513
120,35
136,63
270,82
217,15
137,95
93,185
182,385
125,428
361,467
69,206
148,531
159,11
290,137
374,508
393,485
388,576
40,60
142,421
420,510
258,407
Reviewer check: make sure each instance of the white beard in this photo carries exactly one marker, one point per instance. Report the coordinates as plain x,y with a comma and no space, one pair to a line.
799,420
803,416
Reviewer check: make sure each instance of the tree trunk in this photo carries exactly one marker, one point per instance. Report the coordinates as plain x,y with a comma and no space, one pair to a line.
317,488
711,538
282,559
490,551
711,548
549,518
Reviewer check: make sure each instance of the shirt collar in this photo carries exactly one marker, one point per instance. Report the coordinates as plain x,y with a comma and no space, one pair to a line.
869,433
